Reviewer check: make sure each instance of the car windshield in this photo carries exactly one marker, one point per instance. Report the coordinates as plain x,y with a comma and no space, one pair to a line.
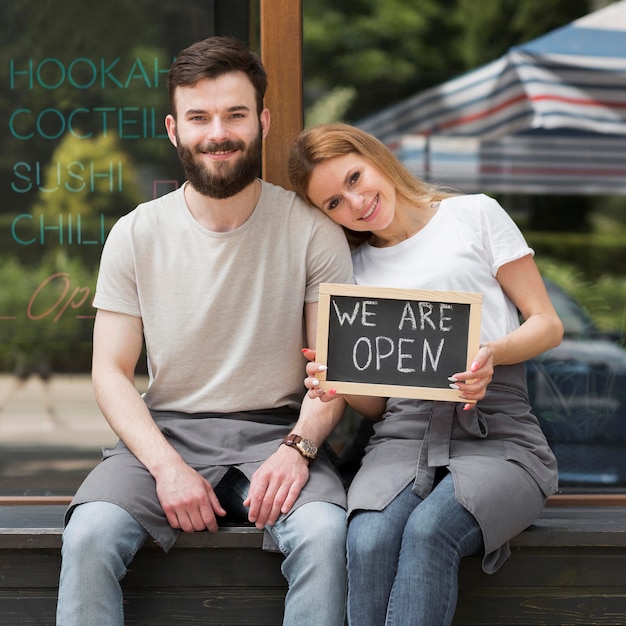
578,392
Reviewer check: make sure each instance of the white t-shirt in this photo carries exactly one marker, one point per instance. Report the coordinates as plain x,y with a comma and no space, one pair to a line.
222,311
461,249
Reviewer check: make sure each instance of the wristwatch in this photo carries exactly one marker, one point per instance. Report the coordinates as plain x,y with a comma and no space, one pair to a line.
305,447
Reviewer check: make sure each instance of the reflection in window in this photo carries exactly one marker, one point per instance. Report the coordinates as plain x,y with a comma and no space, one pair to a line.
578,391
85,96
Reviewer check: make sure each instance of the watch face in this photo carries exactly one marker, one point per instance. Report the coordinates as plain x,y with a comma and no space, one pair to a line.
308,448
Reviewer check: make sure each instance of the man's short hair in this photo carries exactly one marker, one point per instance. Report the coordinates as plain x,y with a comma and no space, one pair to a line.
212,58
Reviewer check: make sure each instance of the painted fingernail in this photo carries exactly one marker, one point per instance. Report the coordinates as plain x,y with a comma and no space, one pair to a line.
453,386
315,382
452,379
321,368
332,392
475,366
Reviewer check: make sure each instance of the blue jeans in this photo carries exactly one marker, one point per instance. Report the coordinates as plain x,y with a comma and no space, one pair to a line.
101,539
403,561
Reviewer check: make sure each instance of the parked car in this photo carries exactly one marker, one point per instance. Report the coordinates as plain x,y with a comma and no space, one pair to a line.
578,392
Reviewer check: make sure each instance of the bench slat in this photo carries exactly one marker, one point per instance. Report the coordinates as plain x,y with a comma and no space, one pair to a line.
568,568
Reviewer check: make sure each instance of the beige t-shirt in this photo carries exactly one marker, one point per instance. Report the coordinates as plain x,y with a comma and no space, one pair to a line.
222,312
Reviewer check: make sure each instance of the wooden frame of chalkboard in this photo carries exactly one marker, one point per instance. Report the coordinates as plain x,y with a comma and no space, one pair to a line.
389,342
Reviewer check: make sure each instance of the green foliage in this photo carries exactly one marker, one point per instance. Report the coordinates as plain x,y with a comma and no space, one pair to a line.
487,33
33,31
604,299
390,50
330,107
86,186
385,50
47,314
108,194
594,255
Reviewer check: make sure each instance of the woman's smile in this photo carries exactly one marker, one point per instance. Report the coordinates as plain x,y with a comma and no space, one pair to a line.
373,209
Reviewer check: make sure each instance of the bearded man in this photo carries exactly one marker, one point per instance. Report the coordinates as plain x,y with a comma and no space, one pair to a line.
220,280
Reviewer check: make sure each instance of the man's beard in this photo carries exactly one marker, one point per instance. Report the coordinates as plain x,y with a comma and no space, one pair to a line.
227,179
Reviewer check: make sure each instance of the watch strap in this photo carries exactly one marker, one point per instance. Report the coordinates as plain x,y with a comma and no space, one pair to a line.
294,440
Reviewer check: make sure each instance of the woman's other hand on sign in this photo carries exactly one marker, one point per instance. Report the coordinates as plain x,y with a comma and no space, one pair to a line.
312,382
473,383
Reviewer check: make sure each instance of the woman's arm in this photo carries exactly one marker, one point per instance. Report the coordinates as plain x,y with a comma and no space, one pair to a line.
541,329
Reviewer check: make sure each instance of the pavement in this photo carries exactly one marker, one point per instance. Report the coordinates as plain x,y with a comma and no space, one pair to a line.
59,412
51,433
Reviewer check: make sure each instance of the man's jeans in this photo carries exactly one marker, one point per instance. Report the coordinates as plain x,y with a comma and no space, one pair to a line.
101,540
403,561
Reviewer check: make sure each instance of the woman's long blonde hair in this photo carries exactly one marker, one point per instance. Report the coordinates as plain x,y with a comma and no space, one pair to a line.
320,143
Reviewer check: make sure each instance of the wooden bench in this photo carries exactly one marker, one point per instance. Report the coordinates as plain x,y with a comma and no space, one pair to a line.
568,568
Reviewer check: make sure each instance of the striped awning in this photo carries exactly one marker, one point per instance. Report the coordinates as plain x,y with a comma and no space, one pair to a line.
548,116
541,162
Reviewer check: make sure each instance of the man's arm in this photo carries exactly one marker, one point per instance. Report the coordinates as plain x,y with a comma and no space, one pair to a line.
187,499
276,485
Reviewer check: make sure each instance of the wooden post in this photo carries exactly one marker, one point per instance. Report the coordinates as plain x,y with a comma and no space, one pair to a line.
281,51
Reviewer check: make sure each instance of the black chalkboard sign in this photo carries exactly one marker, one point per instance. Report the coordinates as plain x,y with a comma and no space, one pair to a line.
383,341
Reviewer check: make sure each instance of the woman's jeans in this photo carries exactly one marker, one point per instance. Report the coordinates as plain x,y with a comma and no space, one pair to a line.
101,540
403,561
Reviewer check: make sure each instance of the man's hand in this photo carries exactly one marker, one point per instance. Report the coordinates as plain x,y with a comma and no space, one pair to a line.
276,485
188,499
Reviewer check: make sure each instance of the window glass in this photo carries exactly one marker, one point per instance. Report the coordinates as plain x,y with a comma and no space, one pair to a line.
84,97
83,100
578,391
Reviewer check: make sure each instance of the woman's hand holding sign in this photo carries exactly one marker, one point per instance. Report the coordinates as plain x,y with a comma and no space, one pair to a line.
473,383
371,407
311,382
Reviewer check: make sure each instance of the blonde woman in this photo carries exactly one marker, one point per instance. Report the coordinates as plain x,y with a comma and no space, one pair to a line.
439,480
